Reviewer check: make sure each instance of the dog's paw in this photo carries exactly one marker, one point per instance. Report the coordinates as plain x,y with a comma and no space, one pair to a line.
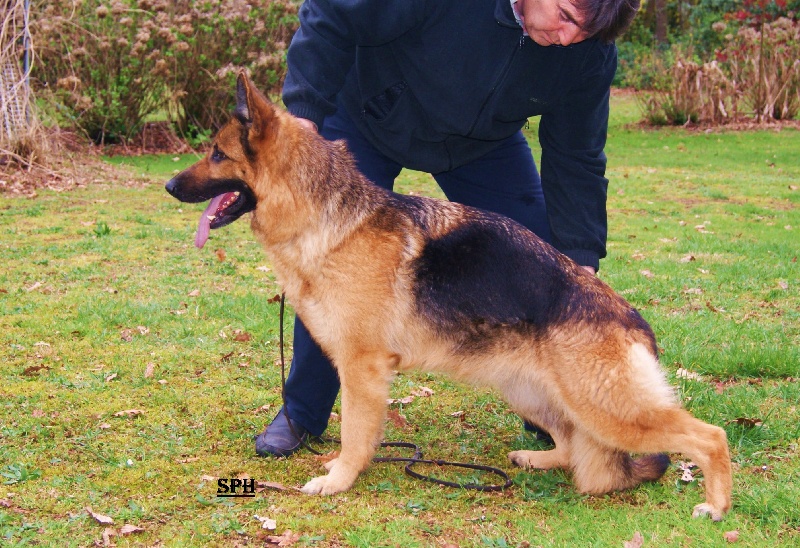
521,458
330,464
707,510
326,485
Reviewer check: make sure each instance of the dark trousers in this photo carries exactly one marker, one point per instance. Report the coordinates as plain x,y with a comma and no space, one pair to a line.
504,181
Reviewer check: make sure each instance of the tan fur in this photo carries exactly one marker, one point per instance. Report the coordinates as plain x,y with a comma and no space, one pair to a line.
348,271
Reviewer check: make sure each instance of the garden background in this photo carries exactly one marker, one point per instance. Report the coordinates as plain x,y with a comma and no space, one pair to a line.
135,369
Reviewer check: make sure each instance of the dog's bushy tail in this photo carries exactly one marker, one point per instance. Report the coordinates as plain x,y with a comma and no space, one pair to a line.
648,467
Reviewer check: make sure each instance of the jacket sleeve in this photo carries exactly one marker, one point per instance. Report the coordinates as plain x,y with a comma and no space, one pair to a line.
573,138
323,50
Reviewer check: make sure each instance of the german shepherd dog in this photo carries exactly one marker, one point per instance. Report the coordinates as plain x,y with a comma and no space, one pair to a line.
386,282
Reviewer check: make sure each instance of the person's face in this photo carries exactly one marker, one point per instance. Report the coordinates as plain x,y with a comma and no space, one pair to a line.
552,22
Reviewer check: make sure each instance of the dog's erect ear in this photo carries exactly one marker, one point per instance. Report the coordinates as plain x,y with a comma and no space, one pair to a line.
253,110
243,110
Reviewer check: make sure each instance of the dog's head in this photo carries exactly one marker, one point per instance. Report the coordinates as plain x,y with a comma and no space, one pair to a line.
230,172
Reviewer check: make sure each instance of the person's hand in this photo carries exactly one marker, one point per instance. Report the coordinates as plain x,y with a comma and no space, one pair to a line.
308,124
590,270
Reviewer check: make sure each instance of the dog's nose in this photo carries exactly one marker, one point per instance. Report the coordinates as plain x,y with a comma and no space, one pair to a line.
172,187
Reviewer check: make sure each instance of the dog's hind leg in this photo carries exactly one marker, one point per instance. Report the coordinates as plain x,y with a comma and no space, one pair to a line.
636,411
365,388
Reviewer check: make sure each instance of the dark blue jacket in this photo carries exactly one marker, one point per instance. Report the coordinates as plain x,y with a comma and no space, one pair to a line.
435,84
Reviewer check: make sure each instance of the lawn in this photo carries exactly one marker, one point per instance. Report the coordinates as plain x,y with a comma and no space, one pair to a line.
135,369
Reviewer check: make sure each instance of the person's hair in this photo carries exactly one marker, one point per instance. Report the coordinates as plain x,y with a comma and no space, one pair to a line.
607,19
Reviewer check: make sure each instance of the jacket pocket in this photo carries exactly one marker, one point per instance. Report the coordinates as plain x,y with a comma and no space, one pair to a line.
381,105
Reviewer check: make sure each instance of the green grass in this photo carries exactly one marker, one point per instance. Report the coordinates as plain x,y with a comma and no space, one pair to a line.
102,284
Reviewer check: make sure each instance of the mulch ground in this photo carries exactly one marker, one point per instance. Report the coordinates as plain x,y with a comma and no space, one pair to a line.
73,161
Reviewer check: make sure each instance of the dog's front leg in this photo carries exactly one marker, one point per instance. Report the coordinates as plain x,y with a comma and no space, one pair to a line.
365,389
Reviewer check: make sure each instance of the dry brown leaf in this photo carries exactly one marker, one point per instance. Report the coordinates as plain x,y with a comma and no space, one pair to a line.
129,413
637,541
241,336
267,523
686,259
398,420
327,457
206,477
129,529
109,532
194,293
220,254
404,401
422,392
37,413
100,518
646,273
731,536
274,485
34,370
286,539
746,422
149,370
111,377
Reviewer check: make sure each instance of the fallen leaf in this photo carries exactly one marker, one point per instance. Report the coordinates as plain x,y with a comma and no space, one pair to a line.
206,477
747,423
149,370
35,286
129,529
731,536
34,369
104,426
37,413
109,532
783,285
423,392
267,523
398,420
682,373
220,254
686,259
273,485
241,336
263,408
129,413
187,460
286,539
100,518
404,401
693,291
327,457
194,293
111,377
646,273
636,541
686,471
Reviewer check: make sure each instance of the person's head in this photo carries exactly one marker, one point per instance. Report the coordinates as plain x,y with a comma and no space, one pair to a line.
565,22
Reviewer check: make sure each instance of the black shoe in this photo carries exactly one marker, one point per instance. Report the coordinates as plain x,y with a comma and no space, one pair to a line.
279,439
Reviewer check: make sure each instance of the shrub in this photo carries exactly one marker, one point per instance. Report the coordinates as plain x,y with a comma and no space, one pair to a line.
106,65
764,63
212,41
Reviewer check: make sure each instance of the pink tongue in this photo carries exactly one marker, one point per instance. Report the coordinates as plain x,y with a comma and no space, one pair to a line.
204,227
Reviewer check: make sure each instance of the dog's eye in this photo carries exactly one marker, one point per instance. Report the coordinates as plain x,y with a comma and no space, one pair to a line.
217,155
